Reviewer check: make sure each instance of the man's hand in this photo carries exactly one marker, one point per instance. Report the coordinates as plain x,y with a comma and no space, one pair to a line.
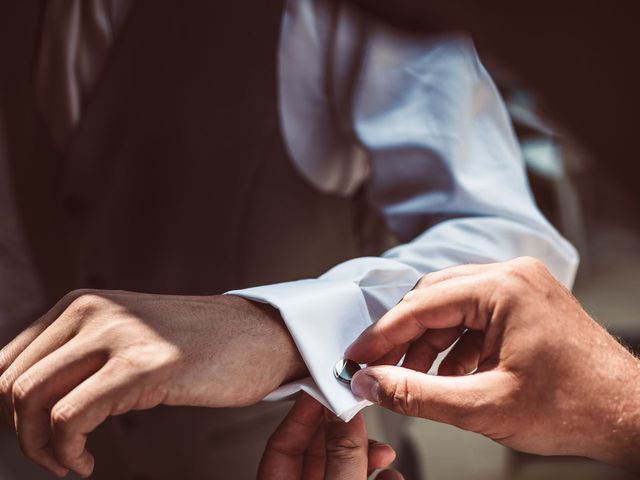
530,369
312,444
97,354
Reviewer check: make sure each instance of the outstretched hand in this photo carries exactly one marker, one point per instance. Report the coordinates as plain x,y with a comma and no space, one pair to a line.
530,368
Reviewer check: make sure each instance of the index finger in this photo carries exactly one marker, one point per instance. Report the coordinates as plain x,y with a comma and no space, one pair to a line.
454,302
11,351
284,455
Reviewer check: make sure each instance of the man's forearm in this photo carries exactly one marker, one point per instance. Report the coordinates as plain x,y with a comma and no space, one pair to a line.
99,353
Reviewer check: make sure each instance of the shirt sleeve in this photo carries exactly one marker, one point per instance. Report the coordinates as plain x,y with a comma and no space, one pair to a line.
446,172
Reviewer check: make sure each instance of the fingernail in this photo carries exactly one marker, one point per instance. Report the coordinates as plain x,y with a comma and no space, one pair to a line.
365,386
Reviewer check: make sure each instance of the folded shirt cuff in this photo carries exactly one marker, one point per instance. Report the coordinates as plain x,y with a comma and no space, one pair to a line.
323,317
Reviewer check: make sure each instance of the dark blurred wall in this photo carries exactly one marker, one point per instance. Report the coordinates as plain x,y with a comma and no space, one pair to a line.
581,57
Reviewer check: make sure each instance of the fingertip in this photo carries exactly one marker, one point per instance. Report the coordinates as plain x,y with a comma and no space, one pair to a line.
368,347
355,352
381,447
91,463
84,465
49,462
381,455
366,386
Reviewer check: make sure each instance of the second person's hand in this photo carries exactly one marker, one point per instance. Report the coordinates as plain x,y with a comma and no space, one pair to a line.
530,368
313,444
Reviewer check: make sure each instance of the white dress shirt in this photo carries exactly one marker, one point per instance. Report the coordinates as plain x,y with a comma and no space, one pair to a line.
418,122
435,146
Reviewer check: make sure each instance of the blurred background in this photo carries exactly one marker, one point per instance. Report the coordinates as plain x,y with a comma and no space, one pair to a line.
570,73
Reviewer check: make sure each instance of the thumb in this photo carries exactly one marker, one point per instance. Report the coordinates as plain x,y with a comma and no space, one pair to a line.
461,401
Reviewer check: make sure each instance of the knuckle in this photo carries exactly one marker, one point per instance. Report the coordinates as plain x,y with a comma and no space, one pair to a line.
425,280
74,295
22,391
410,297
283,446
402,399
343,447
62,418
529,276
85,303
523,267
531,263
514,277
77,293
88,306
410,307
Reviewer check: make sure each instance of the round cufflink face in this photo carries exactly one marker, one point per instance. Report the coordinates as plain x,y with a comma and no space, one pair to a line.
345,370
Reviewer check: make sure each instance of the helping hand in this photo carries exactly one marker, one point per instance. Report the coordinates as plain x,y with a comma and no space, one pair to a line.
530,368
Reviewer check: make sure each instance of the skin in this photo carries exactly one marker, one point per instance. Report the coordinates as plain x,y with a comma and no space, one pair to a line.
531,370
313,444
102,353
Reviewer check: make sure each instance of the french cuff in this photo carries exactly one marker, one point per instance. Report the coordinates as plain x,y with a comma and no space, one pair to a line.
323,317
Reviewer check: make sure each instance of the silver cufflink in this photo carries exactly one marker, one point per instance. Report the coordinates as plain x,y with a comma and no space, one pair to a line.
345,370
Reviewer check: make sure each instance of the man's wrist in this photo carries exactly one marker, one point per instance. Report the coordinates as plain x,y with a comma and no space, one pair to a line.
624,426
290,365
294,366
